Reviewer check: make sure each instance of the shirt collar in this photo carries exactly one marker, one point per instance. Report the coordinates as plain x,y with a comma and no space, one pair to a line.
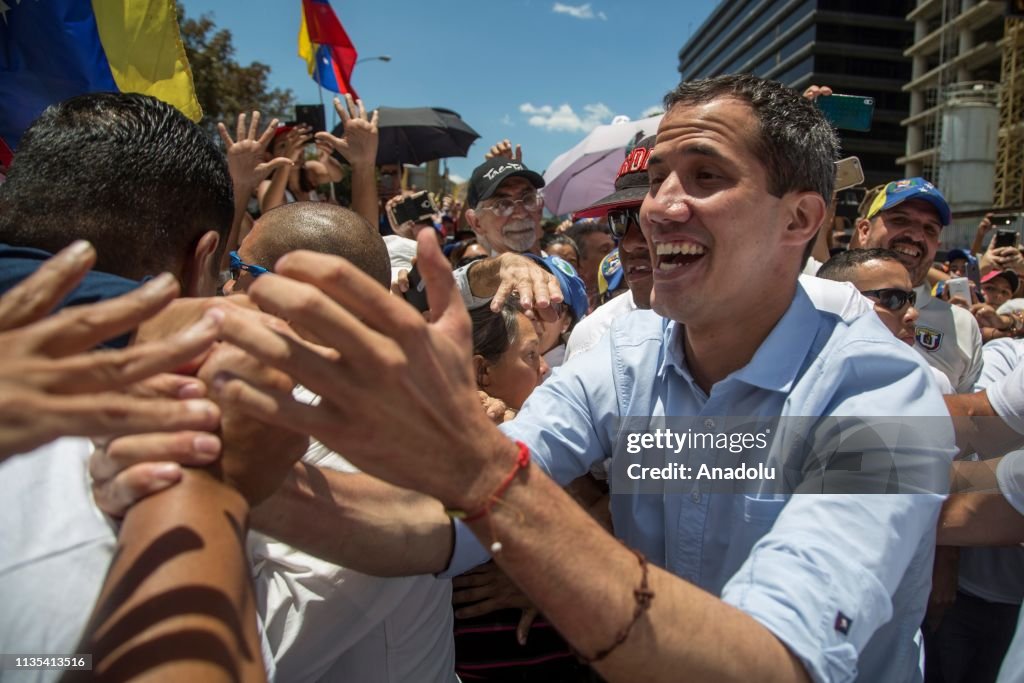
776,363
924,296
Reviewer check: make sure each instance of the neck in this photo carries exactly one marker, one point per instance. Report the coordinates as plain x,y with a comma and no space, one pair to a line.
718,348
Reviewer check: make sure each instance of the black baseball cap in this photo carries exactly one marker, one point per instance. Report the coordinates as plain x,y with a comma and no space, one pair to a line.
489,175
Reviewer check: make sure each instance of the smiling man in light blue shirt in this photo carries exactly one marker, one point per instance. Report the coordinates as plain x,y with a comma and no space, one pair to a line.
841,580
820,573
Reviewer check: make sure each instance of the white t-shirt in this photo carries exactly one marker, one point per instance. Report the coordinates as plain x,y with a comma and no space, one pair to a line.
949,338
402,251
590,330
1006,394
322,621
1010,475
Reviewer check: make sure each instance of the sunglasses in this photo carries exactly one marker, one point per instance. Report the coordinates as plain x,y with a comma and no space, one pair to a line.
892,299
238,265
619,220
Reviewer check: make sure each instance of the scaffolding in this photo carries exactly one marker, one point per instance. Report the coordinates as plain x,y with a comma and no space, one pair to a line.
1009,189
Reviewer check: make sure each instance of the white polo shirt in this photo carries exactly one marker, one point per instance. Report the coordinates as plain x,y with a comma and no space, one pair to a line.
949,338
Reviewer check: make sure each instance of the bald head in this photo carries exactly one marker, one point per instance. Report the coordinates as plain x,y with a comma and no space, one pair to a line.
319,227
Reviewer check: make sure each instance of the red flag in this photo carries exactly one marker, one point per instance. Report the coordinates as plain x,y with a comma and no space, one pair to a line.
333,51
6,156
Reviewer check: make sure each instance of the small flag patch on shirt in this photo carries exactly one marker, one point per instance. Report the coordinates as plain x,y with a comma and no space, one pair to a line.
843,623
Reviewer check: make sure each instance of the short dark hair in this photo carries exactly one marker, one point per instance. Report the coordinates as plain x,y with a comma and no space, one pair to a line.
580,229
840,266
494,332
127,172
547,239
794,141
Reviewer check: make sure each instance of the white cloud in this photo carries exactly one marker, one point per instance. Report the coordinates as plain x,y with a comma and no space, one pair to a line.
578,11
506,120
564,119
653,110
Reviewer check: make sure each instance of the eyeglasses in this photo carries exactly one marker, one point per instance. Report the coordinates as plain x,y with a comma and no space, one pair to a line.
238,265
504,207
619,220
892,299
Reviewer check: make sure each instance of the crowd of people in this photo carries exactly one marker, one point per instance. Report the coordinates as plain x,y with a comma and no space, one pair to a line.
234,447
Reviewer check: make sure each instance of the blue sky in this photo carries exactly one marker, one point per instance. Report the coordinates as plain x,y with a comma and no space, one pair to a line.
538,72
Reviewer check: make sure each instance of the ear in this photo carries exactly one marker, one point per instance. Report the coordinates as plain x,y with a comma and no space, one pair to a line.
471,219
862,227
199,276
482,368
807,211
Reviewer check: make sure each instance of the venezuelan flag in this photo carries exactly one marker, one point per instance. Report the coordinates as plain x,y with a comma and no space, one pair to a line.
326,47
51,50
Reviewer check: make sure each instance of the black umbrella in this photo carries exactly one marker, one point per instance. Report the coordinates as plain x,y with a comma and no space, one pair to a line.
419,134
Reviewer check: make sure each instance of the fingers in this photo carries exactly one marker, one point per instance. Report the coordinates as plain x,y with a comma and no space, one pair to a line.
169,385
310,368
360,297
401,283
479,609
361,108
519,153
107,370
82,327
115,496
190,448
525,622
274,164
274,407
254,126
375,119
40,292
224,135
436,272
342,109
240,128
268,134
113,414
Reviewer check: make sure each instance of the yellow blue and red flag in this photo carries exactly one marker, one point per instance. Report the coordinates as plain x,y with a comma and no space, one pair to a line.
327,49
53,50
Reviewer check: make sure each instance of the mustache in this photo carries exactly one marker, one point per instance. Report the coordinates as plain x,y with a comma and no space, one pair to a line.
910,242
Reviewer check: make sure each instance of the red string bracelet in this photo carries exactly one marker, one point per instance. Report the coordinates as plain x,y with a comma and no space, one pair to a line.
522,462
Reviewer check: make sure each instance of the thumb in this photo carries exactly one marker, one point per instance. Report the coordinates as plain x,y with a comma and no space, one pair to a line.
326,138
525,621
274,164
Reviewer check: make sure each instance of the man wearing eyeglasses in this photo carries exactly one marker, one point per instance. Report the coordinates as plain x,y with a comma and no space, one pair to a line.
907,216
505,208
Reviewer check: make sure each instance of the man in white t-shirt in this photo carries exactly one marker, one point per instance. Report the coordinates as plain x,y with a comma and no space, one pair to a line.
907,216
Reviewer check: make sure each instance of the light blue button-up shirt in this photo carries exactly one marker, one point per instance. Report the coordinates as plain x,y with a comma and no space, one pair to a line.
841,579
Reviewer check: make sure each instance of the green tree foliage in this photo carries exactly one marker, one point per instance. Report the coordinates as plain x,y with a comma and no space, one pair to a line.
225,87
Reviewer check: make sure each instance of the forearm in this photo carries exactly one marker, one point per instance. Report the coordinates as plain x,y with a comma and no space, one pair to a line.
273,197
242,194
544,533
177,603
979,429
357,521
364,193
977,245
980,519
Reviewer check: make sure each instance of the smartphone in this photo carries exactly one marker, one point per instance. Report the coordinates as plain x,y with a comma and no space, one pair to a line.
848,173
974,273
417,208
847,112
959,286
1006,238
417,294
311,115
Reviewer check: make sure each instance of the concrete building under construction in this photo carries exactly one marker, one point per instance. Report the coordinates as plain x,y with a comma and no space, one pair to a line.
964,130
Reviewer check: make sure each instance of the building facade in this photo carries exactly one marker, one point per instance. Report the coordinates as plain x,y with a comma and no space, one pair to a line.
854,46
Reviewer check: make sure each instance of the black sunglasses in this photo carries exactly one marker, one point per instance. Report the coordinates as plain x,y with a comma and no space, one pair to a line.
892,299
619,220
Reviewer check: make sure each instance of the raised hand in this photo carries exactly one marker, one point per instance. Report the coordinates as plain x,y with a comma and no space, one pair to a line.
504,149
359,142
246,153
52,384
